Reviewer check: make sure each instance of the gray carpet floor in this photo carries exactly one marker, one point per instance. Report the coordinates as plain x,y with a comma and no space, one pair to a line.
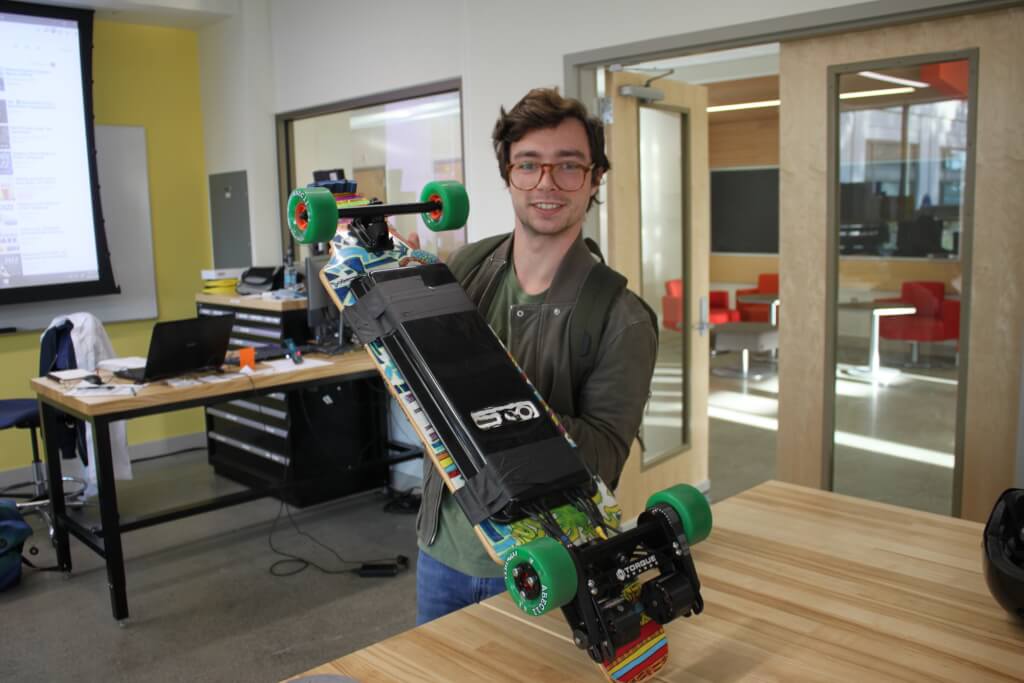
204,605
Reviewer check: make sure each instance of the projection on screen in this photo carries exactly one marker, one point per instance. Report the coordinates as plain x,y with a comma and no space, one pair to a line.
51,239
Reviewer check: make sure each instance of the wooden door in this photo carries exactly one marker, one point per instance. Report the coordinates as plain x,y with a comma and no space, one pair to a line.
631,253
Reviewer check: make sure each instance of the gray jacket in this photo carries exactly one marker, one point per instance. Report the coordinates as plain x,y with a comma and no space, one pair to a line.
612,399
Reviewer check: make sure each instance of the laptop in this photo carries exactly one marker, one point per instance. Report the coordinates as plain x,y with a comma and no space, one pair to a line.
180,346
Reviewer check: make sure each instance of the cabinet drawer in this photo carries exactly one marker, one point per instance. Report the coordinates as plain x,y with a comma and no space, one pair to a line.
251,448
249,422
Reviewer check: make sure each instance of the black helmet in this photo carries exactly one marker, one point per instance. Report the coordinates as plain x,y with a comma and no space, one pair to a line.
1004,552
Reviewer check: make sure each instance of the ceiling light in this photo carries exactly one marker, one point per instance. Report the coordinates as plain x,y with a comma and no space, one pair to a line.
874,93
843,96
892,79
743,105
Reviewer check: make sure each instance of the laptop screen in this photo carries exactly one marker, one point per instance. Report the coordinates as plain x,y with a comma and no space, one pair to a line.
180,346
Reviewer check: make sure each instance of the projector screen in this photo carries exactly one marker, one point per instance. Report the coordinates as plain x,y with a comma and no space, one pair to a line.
52,243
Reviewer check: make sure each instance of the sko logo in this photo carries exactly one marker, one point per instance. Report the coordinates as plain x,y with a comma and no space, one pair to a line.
491,418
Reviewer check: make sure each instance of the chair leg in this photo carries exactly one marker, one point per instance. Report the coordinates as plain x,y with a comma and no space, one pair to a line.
39,503
38,473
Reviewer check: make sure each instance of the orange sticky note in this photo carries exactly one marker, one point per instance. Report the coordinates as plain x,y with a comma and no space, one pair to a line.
247,357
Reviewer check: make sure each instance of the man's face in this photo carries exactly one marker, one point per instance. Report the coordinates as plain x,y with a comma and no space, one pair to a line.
546,209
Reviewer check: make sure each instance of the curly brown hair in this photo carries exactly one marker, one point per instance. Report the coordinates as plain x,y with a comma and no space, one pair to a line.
546,108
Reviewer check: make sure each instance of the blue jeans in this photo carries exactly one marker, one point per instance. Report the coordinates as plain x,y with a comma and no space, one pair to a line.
441,590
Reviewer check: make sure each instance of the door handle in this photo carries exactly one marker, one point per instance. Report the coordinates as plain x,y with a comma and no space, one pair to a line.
703,325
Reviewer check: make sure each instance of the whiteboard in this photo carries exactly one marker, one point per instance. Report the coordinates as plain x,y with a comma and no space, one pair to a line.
124,196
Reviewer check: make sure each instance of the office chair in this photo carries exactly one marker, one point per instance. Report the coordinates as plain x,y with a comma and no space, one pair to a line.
23,413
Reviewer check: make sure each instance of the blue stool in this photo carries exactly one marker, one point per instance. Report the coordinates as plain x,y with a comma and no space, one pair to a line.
23,413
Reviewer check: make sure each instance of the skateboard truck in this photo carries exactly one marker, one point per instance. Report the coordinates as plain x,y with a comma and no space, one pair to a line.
602,620
313,212
371,230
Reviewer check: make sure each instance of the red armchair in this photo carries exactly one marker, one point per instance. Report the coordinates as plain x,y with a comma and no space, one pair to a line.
937,318
672,307
767,283
718,308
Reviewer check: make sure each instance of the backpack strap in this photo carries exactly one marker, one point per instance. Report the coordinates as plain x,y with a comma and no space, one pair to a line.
468,258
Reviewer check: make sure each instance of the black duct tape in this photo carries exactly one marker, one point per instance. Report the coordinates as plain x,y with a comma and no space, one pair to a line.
519,473
392,302
481,497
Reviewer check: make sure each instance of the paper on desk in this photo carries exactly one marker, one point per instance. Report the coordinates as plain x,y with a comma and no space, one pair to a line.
104,390
122,363
215,378
182,382
286,365
67,375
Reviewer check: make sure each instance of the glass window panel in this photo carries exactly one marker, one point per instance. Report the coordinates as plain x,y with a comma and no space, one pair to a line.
902,161
391,150
662,238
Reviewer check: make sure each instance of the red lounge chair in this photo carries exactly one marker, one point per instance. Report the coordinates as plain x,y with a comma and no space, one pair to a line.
937,318
767,283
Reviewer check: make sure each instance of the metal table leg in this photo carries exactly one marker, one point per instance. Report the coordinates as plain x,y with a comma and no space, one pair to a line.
48,420
110,519
875,357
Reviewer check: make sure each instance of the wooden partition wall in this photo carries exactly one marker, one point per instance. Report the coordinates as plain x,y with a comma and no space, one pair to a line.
995,307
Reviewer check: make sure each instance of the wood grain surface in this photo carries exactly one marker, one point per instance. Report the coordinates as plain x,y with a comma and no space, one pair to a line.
252,301
799,585
161,394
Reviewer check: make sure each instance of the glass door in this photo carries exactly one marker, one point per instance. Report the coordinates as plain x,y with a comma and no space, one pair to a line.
902,151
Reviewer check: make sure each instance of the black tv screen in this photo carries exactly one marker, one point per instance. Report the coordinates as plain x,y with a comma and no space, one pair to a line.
52,243
745,211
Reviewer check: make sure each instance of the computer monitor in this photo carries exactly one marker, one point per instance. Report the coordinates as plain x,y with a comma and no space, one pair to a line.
921,237
321,313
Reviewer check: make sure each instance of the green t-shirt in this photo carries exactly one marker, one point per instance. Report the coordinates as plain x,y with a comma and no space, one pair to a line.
456,544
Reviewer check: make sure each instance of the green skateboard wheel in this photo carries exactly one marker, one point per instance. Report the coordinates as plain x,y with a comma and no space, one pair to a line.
540,576
454,205
692,508
312,215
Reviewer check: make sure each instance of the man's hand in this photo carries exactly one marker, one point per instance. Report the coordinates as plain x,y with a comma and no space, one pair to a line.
413,240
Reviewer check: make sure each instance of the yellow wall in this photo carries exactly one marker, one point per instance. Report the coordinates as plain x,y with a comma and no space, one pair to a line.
143,76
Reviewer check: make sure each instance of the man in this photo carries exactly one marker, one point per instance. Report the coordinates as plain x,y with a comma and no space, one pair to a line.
551,157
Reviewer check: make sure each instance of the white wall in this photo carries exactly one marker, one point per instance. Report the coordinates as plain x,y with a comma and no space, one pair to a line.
312,52
236,87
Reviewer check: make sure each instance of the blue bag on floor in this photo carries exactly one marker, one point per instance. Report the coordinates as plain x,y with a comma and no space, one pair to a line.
13,532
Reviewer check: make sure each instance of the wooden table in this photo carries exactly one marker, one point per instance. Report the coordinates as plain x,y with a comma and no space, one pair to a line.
878,310
152,399
798,584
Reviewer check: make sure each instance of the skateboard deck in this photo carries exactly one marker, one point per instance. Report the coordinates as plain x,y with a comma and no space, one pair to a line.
636,660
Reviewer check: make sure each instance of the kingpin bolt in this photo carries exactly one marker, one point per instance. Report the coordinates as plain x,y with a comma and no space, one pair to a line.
679,551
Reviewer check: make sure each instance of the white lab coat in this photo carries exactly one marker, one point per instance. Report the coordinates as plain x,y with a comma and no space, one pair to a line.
92,345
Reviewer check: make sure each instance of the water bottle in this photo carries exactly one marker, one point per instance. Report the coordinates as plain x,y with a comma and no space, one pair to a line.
290,274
